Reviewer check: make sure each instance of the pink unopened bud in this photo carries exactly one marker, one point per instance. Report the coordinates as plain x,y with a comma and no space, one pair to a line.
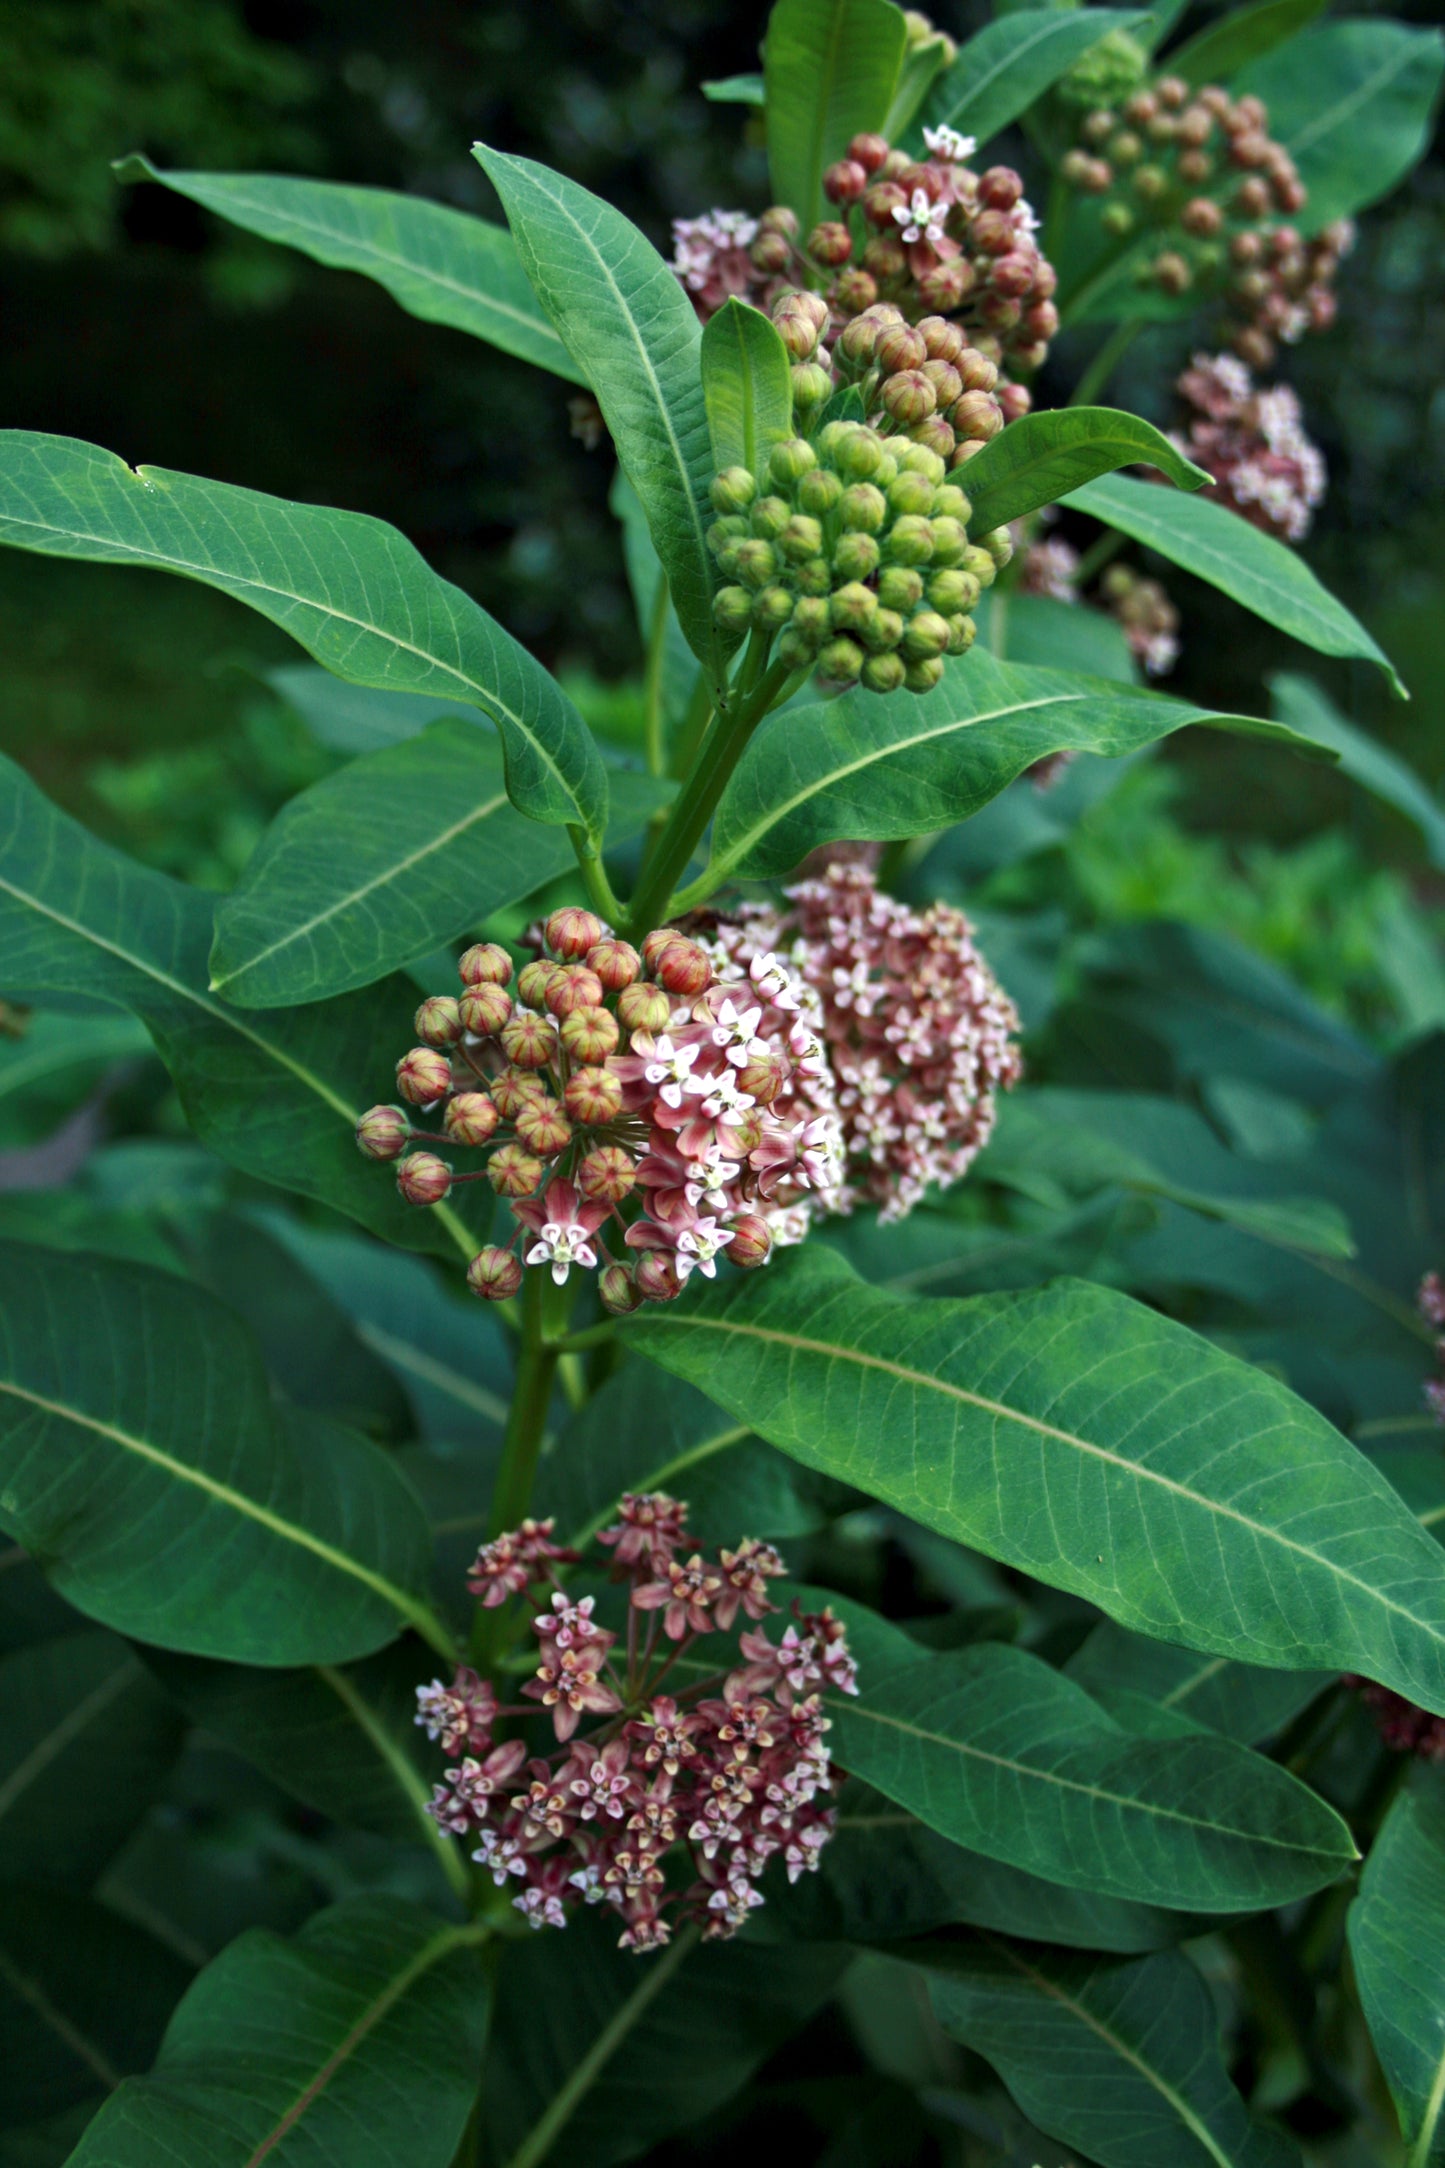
383,1132
907,396
572,987
683,968
543,1127
592,1096
830,243
590,1035
1014,401
642,1008
868,151
617,1291
879,204
1012,275
529,1041
533,980
423,1076
572,931
900,346
514,1172
484,1008
512,1088
657,1277
437,1022
1000,188
977,416
946,286
470,1118
422,1178
845,181
494,1274
943,341
752,1242
485,964
607,1174
615,962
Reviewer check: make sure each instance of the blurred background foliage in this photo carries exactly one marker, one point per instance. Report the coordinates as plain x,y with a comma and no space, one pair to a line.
134,320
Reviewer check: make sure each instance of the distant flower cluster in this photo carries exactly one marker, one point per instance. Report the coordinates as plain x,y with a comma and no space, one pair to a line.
1252,440
671,1806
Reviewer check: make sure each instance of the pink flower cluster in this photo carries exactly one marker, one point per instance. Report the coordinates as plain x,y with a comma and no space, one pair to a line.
1432,1308
620,1096
671,1807
711,257
1253,442
919,1035
1400,1723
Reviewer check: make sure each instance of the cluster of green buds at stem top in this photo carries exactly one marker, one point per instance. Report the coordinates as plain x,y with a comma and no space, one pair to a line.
854,553
1197,174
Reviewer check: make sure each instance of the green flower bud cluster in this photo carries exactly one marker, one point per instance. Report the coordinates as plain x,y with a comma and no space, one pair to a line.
853,553
1108,71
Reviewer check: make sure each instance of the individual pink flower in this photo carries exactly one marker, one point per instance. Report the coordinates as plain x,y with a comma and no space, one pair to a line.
684,1593
649,1528
510,1562
564,1224
460,1715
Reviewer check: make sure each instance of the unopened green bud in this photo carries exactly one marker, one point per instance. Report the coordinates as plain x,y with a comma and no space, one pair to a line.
883,630
863,508
841,662
920,459
911,492
909,540
1117,219
770,515
811,618
723,531
950,540
812,386
814,578
951,503
1149,183
732,609
852,607
980,564
772,609
883,673
900,587
819,492
951,590
859,456
795,651
926,634
789,461
962,633
1000,545
801,539
921,677
757,563
856,556
733,490
828,439
727,556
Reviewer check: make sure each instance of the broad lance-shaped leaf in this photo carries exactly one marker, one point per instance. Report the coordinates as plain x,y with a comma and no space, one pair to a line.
354,2045
69,1708
268,1537
994,1749
1121,2061
350,589
1041,456
874,765
396,854
1397,1944
1252,568
277,1096
442,265
830,68
1299,702
1353,104
1074,1434
747,385
999,73
624,318
1244,35
1244,1701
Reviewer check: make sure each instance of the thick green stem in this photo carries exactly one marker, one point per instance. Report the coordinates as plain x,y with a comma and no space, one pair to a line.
652,682
1099,554
594,876
527,1416
1104,363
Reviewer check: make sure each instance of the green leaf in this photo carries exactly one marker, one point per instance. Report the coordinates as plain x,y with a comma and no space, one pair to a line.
266,1538
591,2042
1121,2061
1243,1701
1076,1435
872,765
354,2045
830,68
442,265
381,863
350,589
997,1751
734,90
1057,636
1014,60
51,1067
84,1999
277,1097
68,1710
1040,457
624,318
673,675
1397,1944
1300,703
747,385
354,718
1215,54
1353,104
1216,545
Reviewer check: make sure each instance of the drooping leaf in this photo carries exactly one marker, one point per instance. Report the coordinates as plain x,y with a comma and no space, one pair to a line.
747,385
830,68
597,2053
69,1710
1039,458
1352,102
1121,2060
1102,1448
1300,703
886,765
997,1751
1397,1943
263,1538
442,265
1252,568
350,589
84,1999
1010,62
354,2045
1244,1701
276,1096
624,318
1246,34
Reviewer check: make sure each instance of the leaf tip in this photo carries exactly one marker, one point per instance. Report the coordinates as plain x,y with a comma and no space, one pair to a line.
135,166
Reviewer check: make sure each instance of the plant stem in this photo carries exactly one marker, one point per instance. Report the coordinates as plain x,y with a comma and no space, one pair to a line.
577,1343
594,875
1097,555
1104,363
652,681
527,1416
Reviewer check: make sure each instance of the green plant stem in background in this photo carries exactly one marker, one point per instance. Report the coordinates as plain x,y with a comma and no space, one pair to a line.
594,877
1097,555
652,682
1104,363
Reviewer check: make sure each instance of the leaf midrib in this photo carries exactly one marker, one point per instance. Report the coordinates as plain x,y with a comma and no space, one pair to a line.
1336,115
29,1990
409,1781
798,1344
1014,54
70,1726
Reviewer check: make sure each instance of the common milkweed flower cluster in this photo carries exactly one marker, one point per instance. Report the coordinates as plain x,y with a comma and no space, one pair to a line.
636,1110
666,1806
1252,440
